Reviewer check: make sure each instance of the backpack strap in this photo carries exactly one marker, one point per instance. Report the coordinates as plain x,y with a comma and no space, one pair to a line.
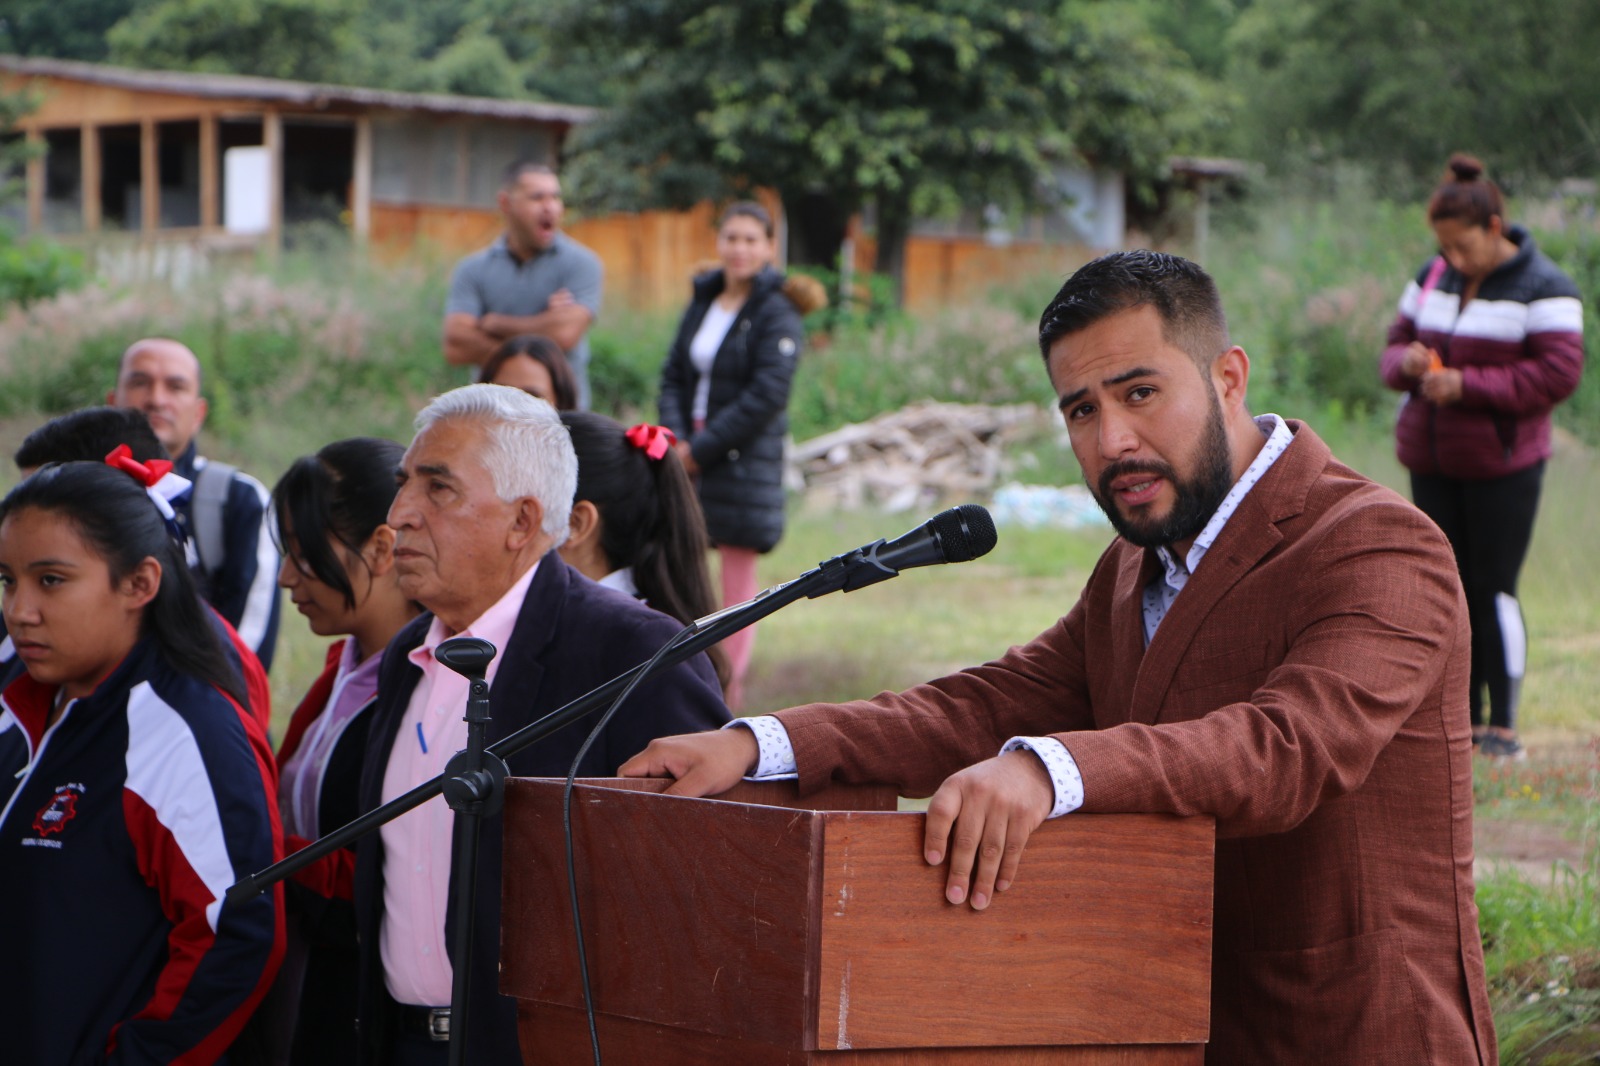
211,485
1435,272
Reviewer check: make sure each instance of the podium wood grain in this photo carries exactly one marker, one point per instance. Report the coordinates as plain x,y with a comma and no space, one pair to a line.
722,931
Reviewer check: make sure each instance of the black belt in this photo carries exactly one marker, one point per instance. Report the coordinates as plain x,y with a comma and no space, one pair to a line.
431,1022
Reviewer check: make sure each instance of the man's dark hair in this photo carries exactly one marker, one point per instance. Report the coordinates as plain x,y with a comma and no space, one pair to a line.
515,171
1183,294
88,436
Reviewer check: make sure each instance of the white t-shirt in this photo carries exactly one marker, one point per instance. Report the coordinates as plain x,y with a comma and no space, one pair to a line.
703,352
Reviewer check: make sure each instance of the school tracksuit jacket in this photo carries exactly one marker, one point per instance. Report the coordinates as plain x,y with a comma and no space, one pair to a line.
123,824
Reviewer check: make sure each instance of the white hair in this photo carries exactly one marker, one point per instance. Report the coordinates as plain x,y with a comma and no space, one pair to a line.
529,451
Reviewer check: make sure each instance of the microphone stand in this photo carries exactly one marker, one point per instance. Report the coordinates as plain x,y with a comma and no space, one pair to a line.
474,787
473,781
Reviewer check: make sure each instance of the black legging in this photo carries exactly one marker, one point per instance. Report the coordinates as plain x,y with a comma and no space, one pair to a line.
1489,524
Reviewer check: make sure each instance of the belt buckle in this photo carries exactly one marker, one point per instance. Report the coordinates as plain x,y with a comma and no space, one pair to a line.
439,1023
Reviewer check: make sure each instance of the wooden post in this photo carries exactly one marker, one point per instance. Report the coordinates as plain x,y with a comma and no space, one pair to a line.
34,180
361,181
463,163
272,138
149,178
1202,219
210,200
89,153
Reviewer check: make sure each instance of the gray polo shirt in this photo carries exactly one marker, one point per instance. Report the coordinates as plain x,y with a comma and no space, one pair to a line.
492,281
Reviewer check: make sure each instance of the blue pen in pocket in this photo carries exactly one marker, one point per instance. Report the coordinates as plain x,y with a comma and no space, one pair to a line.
422,739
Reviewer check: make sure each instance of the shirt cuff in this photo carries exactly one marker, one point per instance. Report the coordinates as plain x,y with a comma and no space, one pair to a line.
1062,767
777,761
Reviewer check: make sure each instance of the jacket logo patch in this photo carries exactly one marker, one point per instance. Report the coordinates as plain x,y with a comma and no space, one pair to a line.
62,808
786,346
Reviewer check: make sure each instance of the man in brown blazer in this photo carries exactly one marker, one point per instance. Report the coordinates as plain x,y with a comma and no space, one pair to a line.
1273,640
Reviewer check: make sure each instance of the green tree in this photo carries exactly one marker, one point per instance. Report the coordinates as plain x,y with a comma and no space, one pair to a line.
306,40
842,103
476,47
30,269
61,29
14,151
1402,85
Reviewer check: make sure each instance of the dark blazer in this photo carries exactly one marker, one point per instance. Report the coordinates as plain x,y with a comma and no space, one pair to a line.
740,450
570,637
1308,689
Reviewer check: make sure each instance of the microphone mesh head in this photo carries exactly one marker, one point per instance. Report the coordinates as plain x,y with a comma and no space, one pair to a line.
964,532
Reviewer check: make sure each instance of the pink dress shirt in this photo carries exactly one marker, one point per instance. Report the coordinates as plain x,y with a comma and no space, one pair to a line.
416,846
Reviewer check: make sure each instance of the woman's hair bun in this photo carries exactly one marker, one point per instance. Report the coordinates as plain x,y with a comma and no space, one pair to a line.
1466,167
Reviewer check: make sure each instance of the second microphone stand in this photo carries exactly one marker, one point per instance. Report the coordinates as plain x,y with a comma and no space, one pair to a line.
474,786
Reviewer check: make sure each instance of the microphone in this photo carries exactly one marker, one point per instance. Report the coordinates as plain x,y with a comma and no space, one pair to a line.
952,536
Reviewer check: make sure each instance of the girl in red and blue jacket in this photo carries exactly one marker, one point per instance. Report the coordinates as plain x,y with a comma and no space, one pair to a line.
133,797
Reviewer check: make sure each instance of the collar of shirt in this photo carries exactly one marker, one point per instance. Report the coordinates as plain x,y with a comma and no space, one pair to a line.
502,246
622,581
494,625
1278,435
357,679
416,855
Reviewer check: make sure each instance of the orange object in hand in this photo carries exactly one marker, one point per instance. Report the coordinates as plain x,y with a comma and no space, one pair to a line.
1434,362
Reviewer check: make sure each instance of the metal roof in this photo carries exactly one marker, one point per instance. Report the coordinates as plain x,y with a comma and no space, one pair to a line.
297,93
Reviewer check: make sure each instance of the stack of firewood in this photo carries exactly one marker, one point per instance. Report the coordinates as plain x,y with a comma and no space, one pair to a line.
920,455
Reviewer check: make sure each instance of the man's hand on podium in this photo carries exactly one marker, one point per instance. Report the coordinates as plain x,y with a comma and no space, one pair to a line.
704,764
985,814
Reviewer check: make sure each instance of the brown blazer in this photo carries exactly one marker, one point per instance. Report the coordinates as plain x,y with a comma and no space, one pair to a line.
1308,689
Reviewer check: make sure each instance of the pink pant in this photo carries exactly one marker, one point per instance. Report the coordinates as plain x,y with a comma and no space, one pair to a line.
738,585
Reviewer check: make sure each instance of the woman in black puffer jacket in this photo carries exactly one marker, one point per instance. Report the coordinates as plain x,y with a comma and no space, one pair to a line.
725,394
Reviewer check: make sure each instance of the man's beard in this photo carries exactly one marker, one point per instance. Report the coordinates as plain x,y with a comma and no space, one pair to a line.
1196,499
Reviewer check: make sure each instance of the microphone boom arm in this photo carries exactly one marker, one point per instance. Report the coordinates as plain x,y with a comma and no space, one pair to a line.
955,535
697,637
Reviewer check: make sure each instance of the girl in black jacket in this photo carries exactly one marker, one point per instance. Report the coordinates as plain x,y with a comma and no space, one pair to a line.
725,394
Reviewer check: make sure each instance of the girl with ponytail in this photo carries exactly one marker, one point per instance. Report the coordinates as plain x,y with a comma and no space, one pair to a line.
135,796
636,522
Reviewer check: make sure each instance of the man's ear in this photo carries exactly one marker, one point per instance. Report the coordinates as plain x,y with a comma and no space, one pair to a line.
527,522
1230,374
378,552
141,586
111,396
203,408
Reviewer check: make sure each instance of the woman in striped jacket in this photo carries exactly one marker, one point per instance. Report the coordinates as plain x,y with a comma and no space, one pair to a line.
1488,339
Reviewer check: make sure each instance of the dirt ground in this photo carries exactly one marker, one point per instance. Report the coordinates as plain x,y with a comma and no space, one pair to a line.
1534,844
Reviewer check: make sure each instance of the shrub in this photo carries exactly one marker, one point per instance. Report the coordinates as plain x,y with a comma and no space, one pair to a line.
35,269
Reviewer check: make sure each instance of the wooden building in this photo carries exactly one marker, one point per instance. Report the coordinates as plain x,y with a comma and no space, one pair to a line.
184,155
223,162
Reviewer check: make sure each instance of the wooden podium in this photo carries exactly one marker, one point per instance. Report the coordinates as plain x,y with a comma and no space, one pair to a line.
759,929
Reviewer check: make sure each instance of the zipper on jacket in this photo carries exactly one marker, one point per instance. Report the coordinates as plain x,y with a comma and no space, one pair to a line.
34,757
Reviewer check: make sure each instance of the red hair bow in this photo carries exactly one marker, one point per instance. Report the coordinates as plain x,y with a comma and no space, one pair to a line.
652,440
146,474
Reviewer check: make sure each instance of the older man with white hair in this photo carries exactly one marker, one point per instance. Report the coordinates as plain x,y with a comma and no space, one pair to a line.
485,491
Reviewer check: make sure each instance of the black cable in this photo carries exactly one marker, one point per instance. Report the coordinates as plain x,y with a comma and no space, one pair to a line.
566,824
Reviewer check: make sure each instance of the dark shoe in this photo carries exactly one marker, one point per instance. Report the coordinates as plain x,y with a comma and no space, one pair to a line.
1502,746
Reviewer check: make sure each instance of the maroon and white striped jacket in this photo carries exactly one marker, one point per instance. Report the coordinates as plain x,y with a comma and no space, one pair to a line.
1519,346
